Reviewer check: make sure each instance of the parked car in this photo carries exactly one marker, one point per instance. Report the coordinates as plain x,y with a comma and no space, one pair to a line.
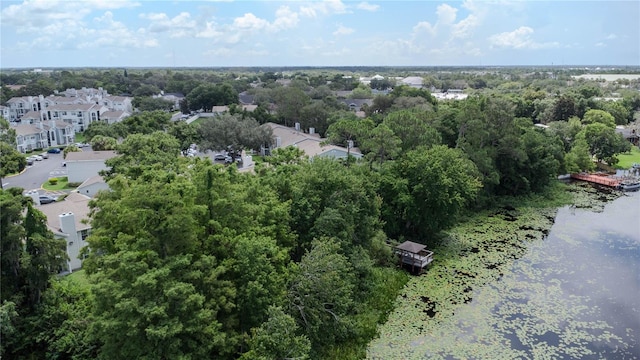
37,157
47,199
30,161
54,151
219,157
44,155
82,145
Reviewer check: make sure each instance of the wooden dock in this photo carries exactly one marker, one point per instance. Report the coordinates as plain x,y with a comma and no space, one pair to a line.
598,179
414,254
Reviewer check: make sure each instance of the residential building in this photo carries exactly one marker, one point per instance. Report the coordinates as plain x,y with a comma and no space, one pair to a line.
68,220
92,186
83,165
311,143
41,134
112,117
4,112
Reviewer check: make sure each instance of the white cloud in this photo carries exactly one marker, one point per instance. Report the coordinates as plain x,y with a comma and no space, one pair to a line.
325,7
249,22
463,28
519,39
29,15
343,30
210,31
611,37
285,19
367,7
179,26
446,14
115,34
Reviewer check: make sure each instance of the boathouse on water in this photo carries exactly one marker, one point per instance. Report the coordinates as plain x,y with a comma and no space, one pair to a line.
415,255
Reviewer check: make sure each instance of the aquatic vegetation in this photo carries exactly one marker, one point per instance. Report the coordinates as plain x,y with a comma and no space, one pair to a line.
498,288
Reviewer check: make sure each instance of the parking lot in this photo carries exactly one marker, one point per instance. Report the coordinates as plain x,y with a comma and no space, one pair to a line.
35,175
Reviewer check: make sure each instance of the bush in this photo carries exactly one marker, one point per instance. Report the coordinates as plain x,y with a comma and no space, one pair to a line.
53,181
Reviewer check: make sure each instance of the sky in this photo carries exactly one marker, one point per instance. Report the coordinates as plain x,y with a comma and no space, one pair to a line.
184,33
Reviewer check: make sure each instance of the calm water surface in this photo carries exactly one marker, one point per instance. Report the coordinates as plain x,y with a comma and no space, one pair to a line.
575,295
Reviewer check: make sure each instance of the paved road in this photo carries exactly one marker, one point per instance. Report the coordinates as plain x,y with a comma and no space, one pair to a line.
37,174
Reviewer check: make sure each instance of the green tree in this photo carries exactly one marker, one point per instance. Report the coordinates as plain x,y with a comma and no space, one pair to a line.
381,144
148,103
139,152
45,255
621,113
7,133
102,143
412,130
289,103
599,116
427,190
604,143
578,159
321,294
227,130
278,339
11,161
186,134
158,294
346,132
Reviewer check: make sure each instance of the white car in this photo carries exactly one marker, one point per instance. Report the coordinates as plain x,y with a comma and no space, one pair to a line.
45,155
37,157
81,145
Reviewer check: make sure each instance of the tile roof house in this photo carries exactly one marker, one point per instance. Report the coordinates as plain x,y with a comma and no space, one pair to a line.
311,143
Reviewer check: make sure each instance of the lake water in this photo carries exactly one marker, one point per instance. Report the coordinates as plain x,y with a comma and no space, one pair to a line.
574,295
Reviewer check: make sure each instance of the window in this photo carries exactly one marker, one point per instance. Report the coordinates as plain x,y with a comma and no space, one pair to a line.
84,234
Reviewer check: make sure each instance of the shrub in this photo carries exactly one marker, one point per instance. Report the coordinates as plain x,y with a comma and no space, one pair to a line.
53,181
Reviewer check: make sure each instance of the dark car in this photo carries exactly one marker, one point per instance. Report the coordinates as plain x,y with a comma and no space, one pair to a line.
54,151
47,199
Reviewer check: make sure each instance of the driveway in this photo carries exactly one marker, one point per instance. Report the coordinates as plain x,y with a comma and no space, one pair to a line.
35,175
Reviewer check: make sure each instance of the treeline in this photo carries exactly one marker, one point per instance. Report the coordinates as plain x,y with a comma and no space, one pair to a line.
191,260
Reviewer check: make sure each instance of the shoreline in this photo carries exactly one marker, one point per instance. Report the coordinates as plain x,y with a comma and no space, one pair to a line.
473,254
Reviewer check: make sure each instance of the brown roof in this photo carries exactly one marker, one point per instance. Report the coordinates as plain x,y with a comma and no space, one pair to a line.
76,203
411,247
90,155
31,115
72,107
27,129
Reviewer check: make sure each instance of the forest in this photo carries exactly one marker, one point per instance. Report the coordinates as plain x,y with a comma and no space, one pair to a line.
188,259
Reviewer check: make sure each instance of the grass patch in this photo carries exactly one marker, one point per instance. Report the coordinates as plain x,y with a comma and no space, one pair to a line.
201,120
62,184
80,137
78,277
626,160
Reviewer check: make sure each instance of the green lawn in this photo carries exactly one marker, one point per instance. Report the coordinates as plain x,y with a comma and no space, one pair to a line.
79,278
61,185
628,159
80,137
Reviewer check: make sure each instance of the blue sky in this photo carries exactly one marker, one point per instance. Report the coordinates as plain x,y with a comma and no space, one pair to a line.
106,33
